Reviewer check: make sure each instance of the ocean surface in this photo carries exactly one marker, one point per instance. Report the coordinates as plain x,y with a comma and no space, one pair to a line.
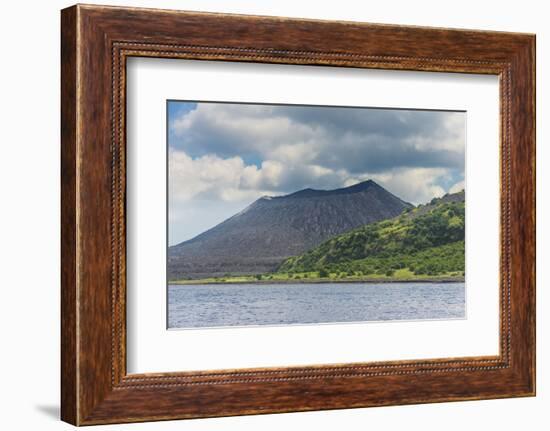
200,306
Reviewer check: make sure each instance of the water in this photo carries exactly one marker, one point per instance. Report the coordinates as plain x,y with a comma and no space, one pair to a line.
194,306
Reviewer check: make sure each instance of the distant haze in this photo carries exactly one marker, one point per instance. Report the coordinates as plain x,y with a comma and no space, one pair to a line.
224,156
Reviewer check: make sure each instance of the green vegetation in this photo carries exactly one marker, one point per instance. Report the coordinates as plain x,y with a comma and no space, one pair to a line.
313,277
425,241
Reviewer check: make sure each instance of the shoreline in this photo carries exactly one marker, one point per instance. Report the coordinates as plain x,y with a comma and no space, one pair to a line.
435,279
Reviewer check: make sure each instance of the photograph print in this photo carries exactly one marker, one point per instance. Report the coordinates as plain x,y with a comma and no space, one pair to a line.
295,214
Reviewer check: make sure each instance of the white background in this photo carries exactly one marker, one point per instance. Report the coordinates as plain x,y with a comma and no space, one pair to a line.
29,219
151,348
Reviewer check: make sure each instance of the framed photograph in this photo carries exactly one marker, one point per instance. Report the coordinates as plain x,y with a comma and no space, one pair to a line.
263,214
330,244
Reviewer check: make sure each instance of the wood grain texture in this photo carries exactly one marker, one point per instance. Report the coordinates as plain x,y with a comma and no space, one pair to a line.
69,367
96,41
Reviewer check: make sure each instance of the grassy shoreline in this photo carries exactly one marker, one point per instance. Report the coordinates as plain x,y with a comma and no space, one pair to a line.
317,280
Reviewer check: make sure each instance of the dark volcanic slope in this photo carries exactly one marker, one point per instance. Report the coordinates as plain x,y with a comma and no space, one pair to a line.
271,229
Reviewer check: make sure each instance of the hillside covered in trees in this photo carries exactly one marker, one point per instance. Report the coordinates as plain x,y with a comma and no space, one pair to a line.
424,241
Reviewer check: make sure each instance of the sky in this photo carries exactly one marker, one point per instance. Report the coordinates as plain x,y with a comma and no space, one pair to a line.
224,156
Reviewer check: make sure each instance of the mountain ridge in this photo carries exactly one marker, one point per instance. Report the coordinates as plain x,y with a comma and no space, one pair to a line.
425,240
310,192
273,228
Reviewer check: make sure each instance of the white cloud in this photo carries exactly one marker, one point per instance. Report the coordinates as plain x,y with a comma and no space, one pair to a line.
457,187
211,177
216,178
417,185
224,156
232,129
358,140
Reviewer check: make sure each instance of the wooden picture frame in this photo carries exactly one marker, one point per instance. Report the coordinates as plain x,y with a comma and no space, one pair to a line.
95,43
